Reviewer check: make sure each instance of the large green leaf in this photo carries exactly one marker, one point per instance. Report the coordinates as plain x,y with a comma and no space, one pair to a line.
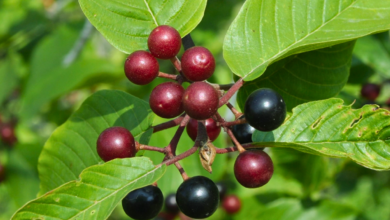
9,75
322,72
72,146
96,194
50,78
329,128
268,30
127,24
370,51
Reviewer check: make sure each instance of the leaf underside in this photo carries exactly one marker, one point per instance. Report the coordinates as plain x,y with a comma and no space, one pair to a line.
268,30
323,72
329,128
96,194
72,146
127,24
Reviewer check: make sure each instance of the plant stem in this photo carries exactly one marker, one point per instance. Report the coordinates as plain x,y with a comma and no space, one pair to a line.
230,133
168,76
187,42
181,156
168,124
232,123
151,148
176,63
234,148
225,98
236,113
171,148
181,170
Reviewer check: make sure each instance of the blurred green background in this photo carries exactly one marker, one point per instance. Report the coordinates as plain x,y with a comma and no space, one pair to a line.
45,76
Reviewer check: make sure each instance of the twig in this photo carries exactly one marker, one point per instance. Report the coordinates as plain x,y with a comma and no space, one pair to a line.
151,148
181,170
231,92
187,42
234,148
236,113
171,148
182,155
168,124
168,76
79,45
232,123
229,132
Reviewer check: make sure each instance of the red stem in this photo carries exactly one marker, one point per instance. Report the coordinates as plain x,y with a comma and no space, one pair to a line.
168,76
181,156
181,170
230,133
151,148
231,92
168,124
234,148
236,113
171,148
232,123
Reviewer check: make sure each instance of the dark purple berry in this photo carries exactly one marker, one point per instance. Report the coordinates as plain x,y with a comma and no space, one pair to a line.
211,127
171,204
253,168
265,110
164,42
166,100
7,133
116,142
231,204
243,132
370,91
144,203
197,64
141,67
198,197
200,101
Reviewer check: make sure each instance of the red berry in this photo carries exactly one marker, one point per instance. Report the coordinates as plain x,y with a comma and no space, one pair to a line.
116,142
211,127
231,204
7,133
164,42
200,100
370,91
197,64
141,67
166,100
253,168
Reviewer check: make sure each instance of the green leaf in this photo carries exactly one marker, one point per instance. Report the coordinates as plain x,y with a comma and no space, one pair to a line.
9,75
127,25
268,30
96,194
329,210
50,77
72,146
370,51
329,128
323,72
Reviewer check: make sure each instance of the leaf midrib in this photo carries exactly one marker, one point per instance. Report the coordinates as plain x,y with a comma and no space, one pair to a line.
151,13
284,51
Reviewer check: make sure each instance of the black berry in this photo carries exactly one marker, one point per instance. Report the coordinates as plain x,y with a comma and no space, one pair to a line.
253,168
231,204
198,197
200,100
370,91
222,189
171,204
141,67
164,42
197,64
211,127
265,110
143,203
166,100
116,142
243,132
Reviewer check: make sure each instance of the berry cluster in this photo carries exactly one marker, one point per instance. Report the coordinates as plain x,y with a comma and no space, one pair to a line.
195,108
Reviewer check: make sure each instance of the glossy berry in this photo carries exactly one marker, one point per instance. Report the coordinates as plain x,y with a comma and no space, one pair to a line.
211,127
171,204
2,173
166,100
197,64
198,197
115,142
143,203
253,168
164,42
243,132
231,204
200,100
141,67
222,189
7,133
370,91
265,110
